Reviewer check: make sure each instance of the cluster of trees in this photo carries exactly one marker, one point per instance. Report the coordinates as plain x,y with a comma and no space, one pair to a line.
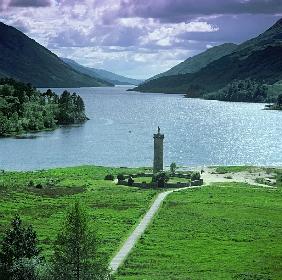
23,108
241,91
75,254
277,105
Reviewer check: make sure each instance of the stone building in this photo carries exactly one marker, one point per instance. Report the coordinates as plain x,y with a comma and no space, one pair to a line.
158,151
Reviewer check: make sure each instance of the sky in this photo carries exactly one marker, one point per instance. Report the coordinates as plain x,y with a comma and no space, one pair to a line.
138,38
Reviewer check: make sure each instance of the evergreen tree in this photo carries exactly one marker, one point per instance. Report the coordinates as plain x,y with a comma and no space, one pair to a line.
173,167
19,243
75,254
279,100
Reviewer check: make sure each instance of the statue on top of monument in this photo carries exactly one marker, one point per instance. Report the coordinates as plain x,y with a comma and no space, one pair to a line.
159,130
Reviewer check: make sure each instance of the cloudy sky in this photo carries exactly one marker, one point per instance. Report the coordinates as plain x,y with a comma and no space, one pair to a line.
138,38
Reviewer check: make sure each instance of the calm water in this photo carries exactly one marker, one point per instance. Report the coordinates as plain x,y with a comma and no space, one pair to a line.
120,133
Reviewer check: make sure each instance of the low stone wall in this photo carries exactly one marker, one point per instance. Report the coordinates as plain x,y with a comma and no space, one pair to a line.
178,185
199,182
167,185
181,175
138,175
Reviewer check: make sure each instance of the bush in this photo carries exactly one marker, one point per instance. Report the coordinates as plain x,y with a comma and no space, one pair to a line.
173,167
195,176
31,184
39,186
161,178
120,177
130,181
109,177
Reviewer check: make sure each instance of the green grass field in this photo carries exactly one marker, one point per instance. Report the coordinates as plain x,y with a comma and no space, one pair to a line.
113,209
226,231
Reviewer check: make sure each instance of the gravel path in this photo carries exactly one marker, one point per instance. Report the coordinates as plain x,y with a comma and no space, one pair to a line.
120,257
209,178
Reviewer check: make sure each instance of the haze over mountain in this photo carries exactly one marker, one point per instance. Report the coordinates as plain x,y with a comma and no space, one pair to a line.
197,62
24,59
259,58
102,74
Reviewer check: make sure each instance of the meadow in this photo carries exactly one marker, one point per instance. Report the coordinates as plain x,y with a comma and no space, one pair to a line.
224,231
41,198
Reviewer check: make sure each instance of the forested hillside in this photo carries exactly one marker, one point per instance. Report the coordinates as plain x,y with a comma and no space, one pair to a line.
259,59
197,62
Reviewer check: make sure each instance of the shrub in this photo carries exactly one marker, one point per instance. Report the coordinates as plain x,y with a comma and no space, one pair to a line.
130,181
173,167
31,184
39,186
120,177
109,177
195,176
160,178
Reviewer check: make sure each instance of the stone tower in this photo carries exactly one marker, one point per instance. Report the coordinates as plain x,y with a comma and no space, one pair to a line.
158,151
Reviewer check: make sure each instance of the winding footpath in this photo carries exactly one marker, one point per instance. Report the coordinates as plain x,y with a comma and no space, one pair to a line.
209,178
121,255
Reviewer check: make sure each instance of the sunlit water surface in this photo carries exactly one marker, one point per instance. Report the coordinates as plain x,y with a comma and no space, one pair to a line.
121,126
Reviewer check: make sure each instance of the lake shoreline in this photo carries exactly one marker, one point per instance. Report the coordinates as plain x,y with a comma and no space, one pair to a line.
121,127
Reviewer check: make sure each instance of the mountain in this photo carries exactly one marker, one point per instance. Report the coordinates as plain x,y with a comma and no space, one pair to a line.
197,62
102,74
259,58
25,60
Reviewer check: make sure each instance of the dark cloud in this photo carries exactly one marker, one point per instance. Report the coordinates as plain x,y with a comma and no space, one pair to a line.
30,3
179,10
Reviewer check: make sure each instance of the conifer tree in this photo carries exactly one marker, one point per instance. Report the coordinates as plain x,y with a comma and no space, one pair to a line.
76,250
19,242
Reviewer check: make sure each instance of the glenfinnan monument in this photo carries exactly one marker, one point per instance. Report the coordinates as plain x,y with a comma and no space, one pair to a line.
158,151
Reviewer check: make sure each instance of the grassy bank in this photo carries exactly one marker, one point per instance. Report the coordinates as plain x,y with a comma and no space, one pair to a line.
226,231
41,198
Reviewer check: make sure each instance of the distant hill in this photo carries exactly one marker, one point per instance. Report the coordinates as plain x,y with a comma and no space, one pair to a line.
102,74
259,59
25,60
197,62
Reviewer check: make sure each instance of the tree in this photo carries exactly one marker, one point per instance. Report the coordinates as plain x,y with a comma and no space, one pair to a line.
173,167
195,176
19,243
120,177
161,178
76,250
29,269
279,100
3,124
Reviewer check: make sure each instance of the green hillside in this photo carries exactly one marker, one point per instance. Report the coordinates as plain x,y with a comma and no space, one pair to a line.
197,62
258,59
25,60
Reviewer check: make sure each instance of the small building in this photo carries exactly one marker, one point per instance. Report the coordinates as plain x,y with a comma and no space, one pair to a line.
158,151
